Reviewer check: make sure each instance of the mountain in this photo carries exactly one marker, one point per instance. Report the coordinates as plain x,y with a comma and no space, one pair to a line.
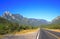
23,20
56,20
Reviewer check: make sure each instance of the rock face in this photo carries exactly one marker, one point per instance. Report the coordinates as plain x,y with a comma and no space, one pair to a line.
23,20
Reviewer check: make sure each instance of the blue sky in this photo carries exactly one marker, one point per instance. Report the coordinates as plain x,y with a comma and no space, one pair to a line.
39,9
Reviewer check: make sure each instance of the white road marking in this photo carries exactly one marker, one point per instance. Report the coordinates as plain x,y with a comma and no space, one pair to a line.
38,34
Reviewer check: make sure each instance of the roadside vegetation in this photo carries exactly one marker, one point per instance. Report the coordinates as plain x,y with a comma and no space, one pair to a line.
7,27
51,26
28,31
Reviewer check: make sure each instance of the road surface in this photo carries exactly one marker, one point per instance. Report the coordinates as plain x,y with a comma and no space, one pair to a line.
41,34
47,34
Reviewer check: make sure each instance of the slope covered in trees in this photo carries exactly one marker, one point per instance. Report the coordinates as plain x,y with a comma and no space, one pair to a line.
7,27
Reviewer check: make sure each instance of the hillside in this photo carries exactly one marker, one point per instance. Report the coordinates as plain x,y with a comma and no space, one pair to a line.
7,27
56,20
55,23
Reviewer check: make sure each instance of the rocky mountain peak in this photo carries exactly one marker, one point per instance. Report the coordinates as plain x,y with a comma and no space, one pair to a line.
7,13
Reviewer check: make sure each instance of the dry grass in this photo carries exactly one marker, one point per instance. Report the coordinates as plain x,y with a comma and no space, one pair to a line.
55,30
1,36
27,31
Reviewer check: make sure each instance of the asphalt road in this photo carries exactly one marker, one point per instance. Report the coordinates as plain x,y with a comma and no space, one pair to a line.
42,34
47,34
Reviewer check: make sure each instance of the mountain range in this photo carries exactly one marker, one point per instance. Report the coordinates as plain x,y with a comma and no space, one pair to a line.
23,20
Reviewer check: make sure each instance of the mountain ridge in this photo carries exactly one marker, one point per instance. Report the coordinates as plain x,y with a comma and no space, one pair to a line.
23,20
